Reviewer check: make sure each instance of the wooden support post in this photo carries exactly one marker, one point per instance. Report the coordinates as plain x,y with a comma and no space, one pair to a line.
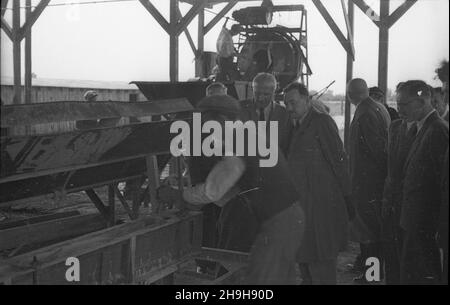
334,27
383,46
219,16
186,20
174,42
4,5
349,76
368,11
111,205
400,11
98,203
17,52
153,182
188,36
124,203
28,63
199,71
6,28
156,14
132,258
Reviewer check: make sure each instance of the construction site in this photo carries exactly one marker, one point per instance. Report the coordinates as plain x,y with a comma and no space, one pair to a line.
79,179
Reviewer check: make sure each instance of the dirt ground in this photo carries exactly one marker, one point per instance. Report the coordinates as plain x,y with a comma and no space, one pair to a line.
81,203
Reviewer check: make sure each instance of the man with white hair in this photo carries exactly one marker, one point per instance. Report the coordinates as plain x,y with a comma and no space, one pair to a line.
238,235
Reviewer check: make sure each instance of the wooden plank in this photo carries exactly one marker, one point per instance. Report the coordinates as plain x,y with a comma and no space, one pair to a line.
17,51
28,58
333,26
6,28
153,176
64,111
349,76
33,18
190,15
174,42
146,228
368,11
219,16
349,27
383,57
38,219
98,203
400,11
200,45
188,36
50,230
124,203
4,5
111,205
156,14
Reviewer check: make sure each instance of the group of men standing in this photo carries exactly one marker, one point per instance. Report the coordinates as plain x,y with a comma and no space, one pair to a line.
384,192
399,181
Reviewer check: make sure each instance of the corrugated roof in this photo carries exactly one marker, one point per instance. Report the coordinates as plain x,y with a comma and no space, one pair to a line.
69,83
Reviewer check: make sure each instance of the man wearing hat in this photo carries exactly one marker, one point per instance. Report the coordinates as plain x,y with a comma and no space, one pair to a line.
268,190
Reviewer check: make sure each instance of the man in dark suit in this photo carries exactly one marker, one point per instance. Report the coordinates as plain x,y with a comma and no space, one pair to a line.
264,108
368,167
422,193
401,137
237,224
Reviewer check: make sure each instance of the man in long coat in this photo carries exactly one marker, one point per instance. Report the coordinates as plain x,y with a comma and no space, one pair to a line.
422,193
318,164
401,137
368,167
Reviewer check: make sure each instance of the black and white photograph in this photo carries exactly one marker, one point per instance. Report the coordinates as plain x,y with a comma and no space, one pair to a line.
224,149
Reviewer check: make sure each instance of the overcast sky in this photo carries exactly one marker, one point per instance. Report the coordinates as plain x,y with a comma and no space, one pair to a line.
120,41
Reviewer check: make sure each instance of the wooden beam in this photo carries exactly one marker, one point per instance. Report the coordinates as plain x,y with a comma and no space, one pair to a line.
174,42
153,182
33,18
188,36
333,26
17,51
50,230
219,16
349,76
400,11
156,14
200,45
383,55
4,4
98,203
190,15
124,203
37,219
349,27
111,205
28,57
7,29
368,11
